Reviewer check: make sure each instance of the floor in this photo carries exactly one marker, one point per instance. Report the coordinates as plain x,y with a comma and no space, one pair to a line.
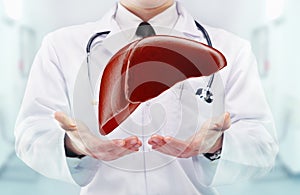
17,179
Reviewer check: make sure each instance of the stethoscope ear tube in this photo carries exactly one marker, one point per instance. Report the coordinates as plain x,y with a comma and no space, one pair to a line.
91,40
205,33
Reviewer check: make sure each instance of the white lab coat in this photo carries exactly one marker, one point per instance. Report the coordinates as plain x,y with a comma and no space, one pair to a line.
249,146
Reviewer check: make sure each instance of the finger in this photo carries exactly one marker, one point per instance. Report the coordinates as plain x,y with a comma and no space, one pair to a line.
223,122
165,149
156,140
176,143
66,122
117,151
227,121
172,146
159,141
120,146
132,143
107,149
184,152
136,146
105,146
126,143
132,148
182,149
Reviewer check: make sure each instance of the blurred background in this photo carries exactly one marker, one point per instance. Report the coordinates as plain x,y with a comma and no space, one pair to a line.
271,26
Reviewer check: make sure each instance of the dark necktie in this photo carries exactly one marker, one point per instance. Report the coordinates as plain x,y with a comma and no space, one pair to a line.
144,30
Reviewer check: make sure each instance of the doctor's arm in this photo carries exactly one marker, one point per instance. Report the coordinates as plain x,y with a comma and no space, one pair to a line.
250,145
39,138
248,139
42,130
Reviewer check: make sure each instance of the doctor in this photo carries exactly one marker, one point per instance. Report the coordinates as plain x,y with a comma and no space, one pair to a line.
52,143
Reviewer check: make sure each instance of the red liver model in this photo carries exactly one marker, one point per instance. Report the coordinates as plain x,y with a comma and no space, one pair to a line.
147,67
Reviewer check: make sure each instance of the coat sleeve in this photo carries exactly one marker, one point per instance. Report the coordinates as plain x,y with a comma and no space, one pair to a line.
250,145
39,140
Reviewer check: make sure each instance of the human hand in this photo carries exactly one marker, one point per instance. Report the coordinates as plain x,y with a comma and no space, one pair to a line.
81,141
208,140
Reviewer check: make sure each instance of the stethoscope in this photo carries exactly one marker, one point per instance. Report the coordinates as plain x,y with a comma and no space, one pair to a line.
204,93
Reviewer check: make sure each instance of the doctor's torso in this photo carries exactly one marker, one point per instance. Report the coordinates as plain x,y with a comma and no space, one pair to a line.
177,112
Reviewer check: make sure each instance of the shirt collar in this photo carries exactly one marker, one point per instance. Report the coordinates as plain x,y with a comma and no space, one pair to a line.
126,20
186,24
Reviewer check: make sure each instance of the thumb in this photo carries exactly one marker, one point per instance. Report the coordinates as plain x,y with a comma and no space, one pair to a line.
65,122
220,123
223,122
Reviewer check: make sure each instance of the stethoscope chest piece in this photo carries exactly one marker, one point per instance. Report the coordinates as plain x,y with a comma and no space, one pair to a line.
205,94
